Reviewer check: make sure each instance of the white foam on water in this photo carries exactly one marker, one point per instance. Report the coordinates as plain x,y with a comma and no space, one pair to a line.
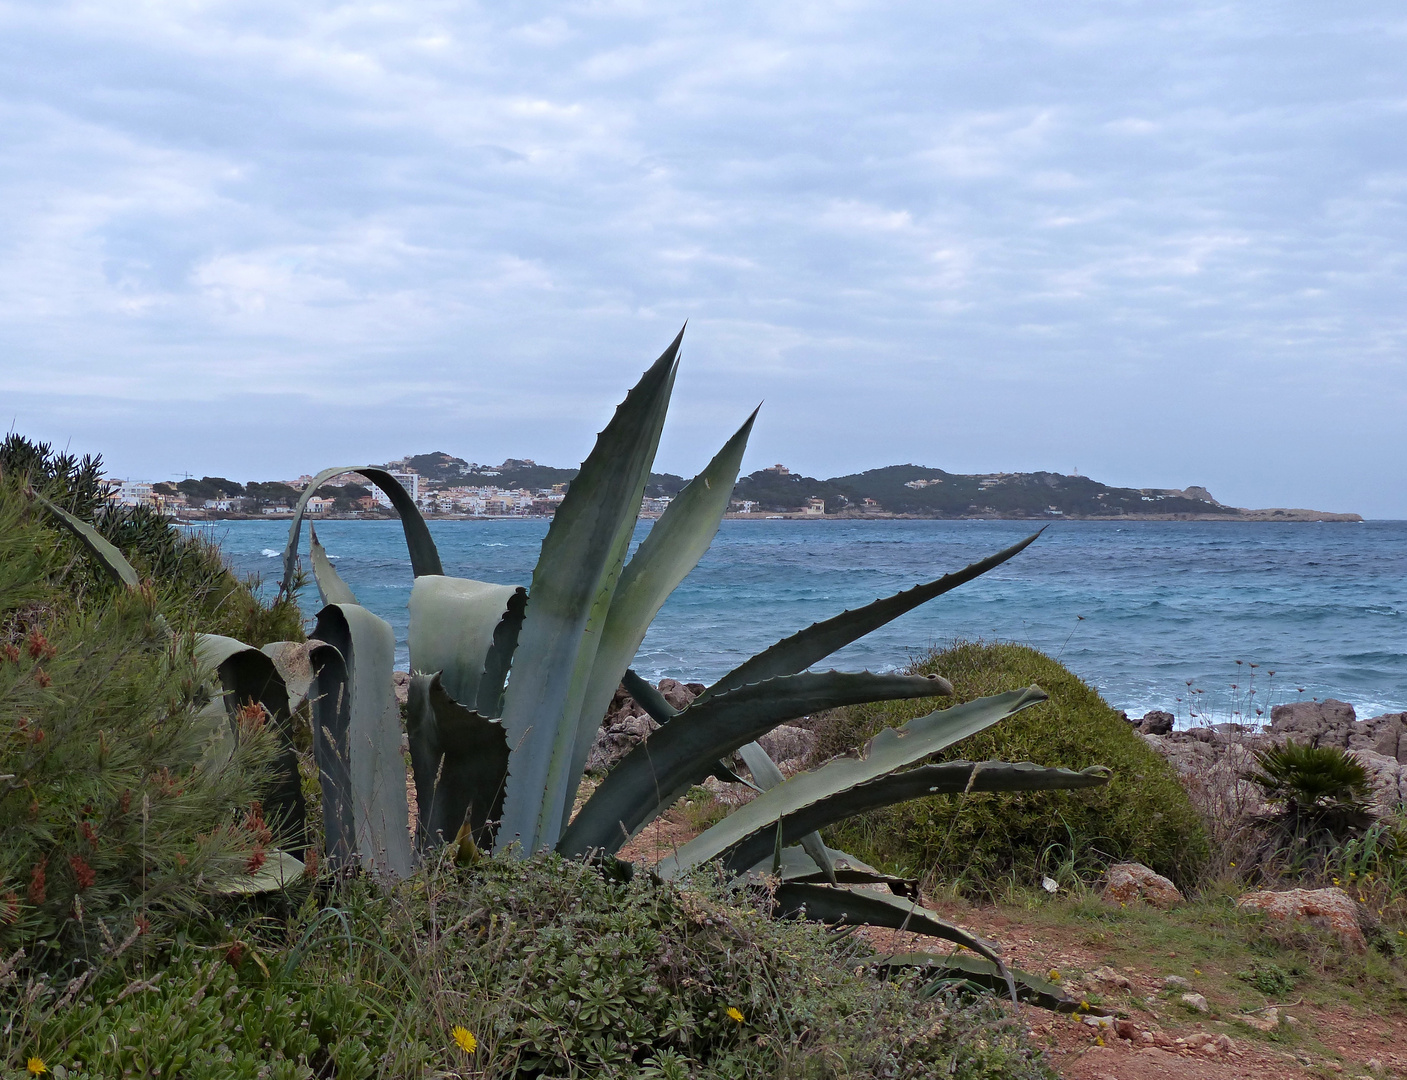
271,553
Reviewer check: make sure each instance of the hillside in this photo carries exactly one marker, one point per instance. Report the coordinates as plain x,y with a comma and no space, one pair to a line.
922,491
898,490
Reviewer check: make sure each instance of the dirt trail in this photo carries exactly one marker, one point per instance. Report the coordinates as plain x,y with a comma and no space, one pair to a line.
1167,1042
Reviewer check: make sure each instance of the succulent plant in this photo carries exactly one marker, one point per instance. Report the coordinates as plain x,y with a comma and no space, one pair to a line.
509,687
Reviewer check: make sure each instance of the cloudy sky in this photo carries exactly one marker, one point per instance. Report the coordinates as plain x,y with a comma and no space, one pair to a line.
1162,244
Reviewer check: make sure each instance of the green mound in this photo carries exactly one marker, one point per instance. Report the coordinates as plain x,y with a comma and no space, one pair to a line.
983,840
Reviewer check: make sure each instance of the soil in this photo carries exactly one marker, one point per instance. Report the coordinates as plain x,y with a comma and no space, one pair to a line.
1162,1030
1167,1042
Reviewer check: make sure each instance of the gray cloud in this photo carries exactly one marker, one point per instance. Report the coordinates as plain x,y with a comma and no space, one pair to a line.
1162,245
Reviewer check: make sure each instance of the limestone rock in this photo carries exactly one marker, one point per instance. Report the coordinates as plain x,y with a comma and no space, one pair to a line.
1387,777
676,693
1156,722
1196,1002
1331,909
1267,1020
1110,977
788,745
1176,982
1325,723
614,742
1129,882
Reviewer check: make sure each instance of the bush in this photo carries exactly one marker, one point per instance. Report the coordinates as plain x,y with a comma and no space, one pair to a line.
983,840
553,968
111,814
198,592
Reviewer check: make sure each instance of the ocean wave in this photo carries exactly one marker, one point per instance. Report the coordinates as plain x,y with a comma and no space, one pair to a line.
270,553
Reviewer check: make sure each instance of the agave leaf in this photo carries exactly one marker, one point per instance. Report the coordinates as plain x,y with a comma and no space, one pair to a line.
424,558
949,777
356,740
648,698
665,557
824,903
799,865
460,760
452,625
1030,989
683,752
500,655
280,870
661,712
819,640
570,595
331,588
112,560
890,750
291,661
246,676
765,772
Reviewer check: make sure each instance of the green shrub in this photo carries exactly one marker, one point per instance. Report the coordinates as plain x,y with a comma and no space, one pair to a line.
981,840
197,590
111,815
555,969
1321,794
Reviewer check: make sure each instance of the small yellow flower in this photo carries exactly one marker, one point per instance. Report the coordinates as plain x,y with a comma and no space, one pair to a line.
1196,971
1099,1040
36,1066
1084,1005
1233,864
733,1014
464,1038
1054,975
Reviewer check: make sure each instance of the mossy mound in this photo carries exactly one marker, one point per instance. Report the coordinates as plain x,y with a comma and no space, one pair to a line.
983,840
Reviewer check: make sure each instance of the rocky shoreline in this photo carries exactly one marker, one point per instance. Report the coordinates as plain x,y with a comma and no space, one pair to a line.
1211,760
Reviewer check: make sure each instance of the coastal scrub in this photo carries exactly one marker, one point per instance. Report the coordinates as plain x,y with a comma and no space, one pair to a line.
982,841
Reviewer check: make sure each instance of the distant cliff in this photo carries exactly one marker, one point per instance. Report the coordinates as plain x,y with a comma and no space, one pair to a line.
921,491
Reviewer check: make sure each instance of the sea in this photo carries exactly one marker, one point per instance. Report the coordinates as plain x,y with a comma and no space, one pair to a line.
1213,622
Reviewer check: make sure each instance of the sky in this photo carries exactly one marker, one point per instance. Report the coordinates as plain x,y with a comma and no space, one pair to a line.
1157,244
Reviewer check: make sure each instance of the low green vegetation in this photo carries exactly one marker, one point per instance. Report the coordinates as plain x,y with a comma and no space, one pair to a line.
113,819
541,967
983,841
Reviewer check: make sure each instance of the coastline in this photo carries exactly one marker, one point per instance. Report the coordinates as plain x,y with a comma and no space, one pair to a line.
1286,516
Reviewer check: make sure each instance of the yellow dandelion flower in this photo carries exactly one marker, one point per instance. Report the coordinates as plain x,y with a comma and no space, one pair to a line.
36,1067
1054,975
464,1038
1084,1005
1099,1039
733,1014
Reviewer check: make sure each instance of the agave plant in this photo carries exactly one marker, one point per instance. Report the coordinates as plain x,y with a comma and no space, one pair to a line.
509,686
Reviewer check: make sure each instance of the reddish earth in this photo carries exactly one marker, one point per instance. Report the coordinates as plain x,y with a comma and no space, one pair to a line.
1164,1043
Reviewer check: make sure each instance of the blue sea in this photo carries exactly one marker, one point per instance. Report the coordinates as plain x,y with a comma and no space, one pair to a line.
1183,616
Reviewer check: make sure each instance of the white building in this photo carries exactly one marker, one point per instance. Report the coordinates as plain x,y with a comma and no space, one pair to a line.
132,493
408,480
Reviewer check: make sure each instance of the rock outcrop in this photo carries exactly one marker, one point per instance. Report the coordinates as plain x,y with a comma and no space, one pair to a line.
1212,760
1128,883
1329,909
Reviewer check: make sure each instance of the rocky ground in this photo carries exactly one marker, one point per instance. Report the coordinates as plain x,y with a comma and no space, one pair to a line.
1212,759
1170,972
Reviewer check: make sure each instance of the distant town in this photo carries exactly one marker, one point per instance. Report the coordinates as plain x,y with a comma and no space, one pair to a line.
446,486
